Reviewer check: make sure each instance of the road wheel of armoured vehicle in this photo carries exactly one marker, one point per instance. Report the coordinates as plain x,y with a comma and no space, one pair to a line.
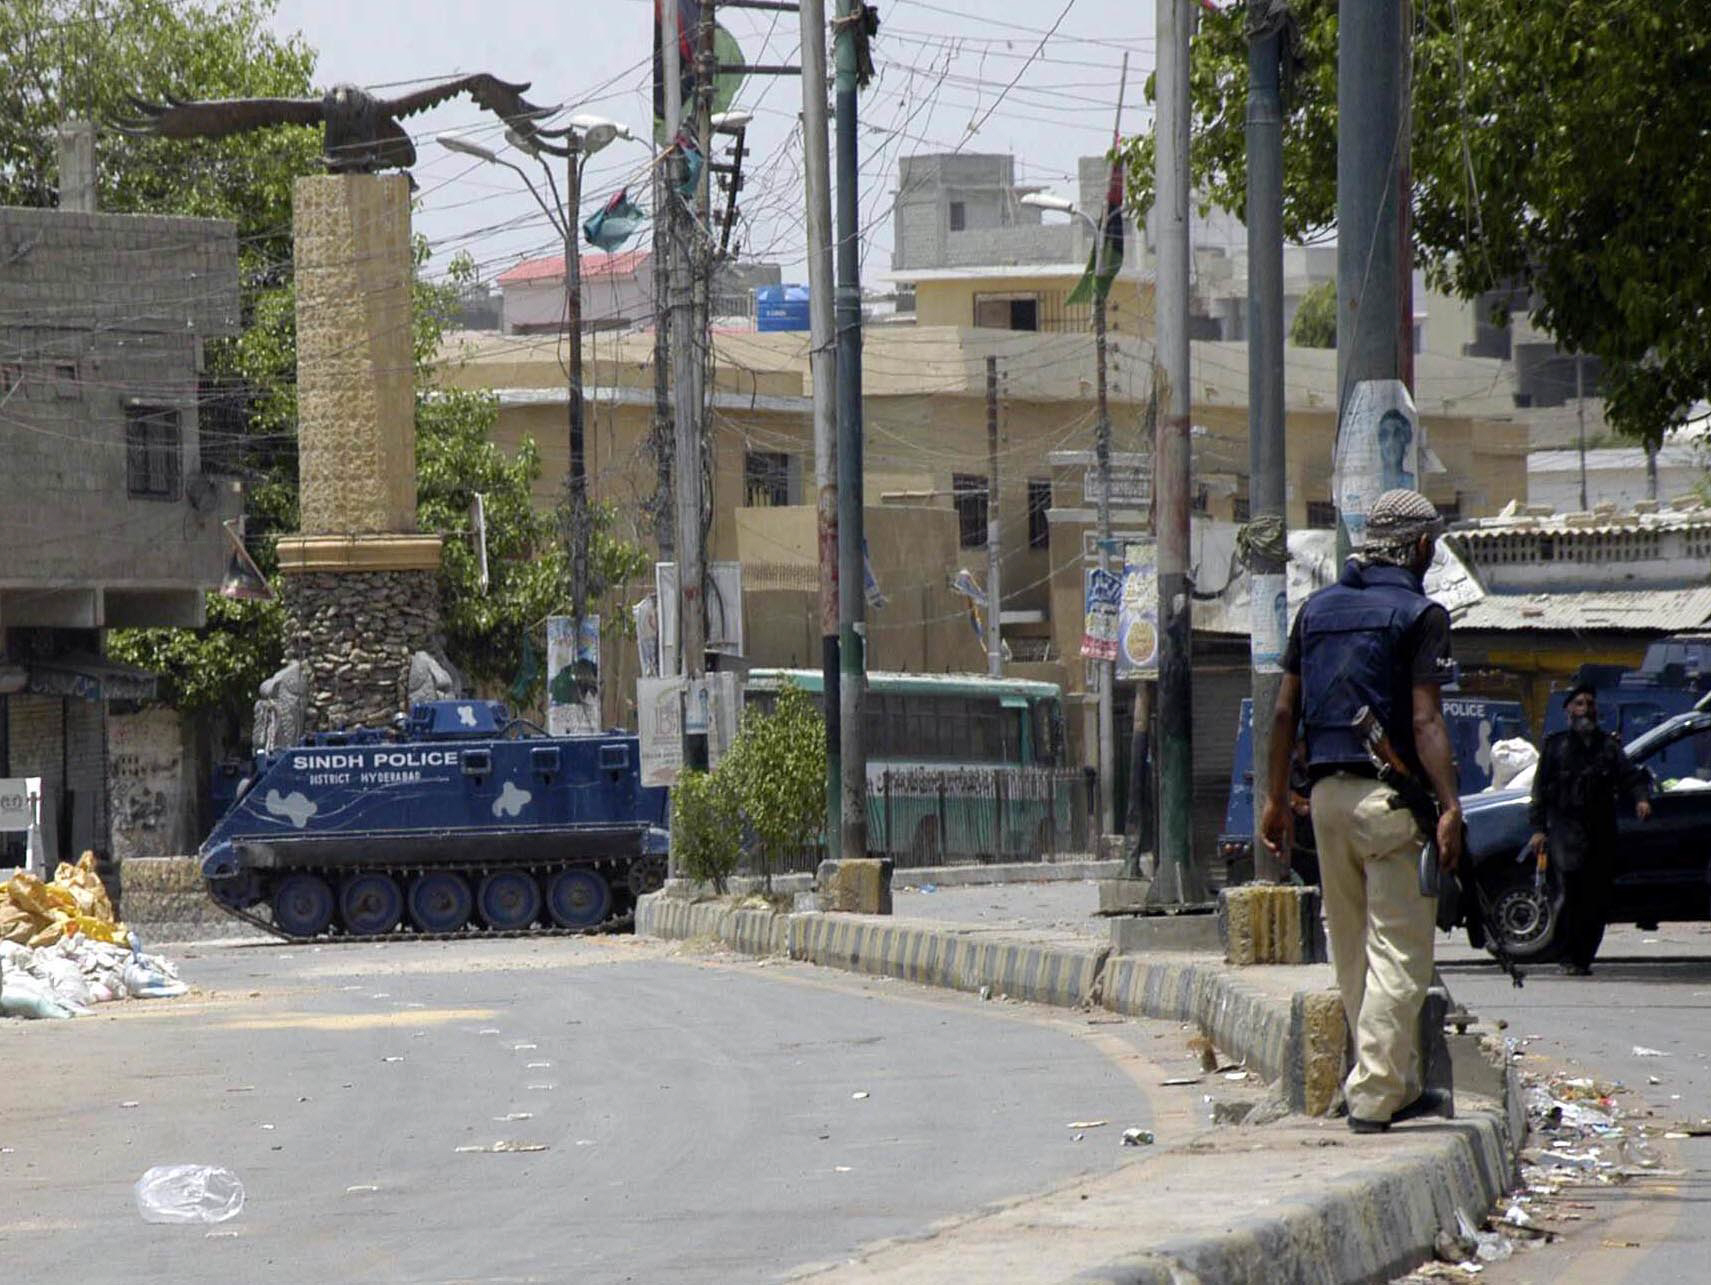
508,900
370,904
578,898
302,905
440,902
1526,916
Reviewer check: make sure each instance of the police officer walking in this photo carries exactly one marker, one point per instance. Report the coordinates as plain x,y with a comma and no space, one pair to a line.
1576,786
1373,639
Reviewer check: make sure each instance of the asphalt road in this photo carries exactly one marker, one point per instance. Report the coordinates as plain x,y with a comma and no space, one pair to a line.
1650,990
701,1117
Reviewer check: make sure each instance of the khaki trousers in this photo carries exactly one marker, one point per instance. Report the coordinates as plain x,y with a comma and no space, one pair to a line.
1381,932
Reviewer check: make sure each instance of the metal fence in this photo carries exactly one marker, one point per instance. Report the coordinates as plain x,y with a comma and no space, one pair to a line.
965,816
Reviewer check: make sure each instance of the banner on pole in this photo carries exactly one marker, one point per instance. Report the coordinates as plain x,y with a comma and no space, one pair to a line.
1102,601
1268,603
573,676
659,723
1137,617
1378,450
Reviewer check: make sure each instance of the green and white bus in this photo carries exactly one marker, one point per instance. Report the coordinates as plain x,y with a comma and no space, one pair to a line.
959,766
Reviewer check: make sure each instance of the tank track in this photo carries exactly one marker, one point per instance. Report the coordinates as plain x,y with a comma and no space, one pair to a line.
625,922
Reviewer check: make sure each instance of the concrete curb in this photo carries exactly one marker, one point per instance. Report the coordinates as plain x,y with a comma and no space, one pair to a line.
1363,1230
1370,1229
1066,870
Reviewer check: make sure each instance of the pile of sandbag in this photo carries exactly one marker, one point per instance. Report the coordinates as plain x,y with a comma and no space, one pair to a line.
62,949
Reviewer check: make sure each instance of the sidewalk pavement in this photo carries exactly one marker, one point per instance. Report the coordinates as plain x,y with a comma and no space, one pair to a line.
1301,1199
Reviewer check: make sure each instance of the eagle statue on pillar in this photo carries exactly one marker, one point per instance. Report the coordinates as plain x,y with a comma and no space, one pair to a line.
361,133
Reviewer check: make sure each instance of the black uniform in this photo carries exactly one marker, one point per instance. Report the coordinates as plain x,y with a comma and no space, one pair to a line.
1577,788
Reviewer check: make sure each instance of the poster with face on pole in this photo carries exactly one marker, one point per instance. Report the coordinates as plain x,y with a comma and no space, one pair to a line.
573,676
1378,450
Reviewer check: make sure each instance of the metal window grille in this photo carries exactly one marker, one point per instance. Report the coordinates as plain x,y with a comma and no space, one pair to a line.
969,493
153,453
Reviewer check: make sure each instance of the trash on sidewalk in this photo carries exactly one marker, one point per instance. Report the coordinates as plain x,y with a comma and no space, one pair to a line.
1138,1137
1640,1050
505,1146
189,1194
1088,1124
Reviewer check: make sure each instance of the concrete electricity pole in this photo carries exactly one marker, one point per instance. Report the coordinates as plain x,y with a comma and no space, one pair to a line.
822,361
1178,878
852,627
1268,547
994,551
1375,267
686,373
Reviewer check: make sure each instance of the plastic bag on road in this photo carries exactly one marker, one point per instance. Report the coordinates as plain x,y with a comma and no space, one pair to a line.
149,977
189,1194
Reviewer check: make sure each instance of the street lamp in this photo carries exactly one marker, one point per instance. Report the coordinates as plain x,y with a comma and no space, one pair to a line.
1102,464
576,141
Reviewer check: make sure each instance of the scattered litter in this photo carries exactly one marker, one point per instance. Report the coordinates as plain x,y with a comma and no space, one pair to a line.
538,1066
1235,1075
249,1088
1654,1079
189,1194
125,1106
268,1127
1180,1079
396,1057
220,1235
859,1096
1607,1243
361,1189
381,995
841,1169
545,1088
1088,1124
515,1115
524,1048
1138,1137
1492,1248
499,1147
488,1030
1078,1137
929,887
585,1142
1640,1050
986,992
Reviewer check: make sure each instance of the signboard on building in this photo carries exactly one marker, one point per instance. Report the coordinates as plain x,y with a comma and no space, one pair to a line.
1102,599
573,676
1137,615
1131,484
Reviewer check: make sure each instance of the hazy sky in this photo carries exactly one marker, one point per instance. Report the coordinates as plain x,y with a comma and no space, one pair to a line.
943,68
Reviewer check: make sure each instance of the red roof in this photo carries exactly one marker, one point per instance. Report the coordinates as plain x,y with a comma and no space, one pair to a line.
625,263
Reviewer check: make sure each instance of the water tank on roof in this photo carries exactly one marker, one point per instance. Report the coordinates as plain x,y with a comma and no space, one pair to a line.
781,307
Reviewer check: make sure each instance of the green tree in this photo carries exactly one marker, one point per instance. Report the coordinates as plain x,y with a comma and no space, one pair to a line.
1558,147
777,771
706,827
1315,324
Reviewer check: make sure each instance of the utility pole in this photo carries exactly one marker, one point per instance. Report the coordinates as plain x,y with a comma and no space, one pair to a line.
1268,556
1178,879
1375,258
994,560
1102,462
686,379
822,362
1580,414
578,438
852,626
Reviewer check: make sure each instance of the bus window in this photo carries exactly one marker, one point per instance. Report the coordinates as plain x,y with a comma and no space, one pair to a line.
876,727
1044,747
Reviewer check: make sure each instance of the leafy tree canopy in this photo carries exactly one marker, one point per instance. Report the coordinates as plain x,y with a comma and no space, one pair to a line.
1315,324
1559,148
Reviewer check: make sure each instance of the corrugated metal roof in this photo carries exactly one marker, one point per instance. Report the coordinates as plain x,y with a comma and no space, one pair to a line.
1659,611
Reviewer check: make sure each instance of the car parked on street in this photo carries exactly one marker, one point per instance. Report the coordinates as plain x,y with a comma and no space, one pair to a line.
1663,866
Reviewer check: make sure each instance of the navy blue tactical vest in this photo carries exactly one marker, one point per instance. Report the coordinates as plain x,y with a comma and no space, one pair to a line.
1351,655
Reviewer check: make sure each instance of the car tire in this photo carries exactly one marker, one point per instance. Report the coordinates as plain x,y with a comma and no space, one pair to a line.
1528,918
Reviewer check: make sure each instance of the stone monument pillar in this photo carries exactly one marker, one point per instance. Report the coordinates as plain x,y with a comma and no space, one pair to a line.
360,583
